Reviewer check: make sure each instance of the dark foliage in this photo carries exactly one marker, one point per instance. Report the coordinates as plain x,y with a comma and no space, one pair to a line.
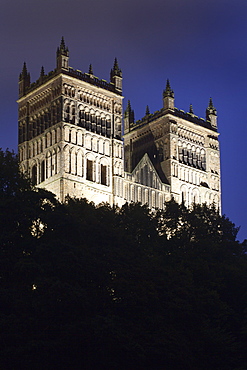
85,287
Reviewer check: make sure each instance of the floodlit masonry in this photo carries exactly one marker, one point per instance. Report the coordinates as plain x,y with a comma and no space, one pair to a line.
71,141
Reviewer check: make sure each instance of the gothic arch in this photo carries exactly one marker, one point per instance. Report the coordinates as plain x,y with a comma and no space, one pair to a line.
48,164
195,196
90,167
184,194
73,161
67,158
80,163
104,171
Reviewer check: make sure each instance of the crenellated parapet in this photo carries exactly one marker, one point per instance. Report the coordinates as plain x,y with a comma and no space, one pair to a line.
209,122
115,84
71,141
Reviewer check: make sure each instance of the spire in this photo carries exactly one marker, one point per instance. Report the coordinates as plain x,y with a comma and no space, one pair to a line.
24,70
62,50
210,104
128,109
62,56
129,117
42,72
168,91
211,114
62,45
116,76
24,74
90,71
147,110
211,108
191,109
168,96
168,86
24,80
116,71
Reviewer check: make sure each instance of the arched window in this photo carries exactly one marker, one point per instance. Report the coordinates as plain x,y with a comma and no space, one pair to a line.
203,160
89,173
67,112
34,175
72,114
108,127
153,199
180,153
198,158
81,118
139,194
42,171
103,126
103,174
146,196
193,157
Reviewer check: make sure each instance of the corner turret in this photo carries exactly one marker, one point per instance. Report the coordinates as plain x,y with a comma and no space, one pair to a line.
129,118
211,114
168,97
24,81
62,56
116,76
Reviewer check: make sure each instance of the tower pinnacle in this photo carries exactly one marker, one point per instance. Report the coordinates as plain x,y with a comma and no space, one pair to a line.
116,76
62,56
24,80
129,117
90,70
211,114
168,96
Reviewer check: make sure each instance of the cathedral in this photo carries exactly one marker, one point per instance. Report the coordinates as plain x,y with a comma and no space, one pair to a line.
75,140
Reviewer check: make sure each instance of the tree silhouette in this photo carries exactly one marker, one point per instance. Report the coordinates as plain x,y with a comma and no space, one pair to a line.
86,287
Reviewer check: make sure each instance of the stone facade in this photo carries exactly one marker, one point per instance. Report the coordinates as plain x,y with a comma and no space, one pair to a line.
71,141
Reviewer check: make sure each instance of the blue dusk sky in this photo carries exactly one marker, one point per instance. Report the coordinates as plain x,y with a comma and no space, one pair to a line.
199,45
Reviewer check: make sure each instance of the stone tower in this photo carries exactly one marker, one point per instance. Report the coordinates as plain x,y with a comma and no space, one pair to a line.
70,130
183,148
71,141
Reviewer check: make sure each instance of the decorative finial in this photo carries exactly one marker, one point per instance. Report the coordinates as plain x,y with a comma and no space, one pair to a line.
210,105
24,74
147,110
42,72
24,69
115,64
129,112
168,91
168,86
115,71
211,114
62,50
90,71
62,45
191,109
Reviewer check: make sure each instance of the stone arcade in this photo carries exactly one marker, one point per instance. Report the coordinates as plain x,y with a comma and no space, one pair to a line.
71,141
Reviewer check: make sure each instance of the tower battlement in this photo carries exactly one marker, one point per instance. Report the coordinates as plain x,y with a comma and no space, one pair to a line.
74,140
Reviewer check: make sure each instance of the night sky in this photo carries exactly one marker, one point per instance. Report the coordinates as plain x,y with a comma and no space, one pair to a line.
199,45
